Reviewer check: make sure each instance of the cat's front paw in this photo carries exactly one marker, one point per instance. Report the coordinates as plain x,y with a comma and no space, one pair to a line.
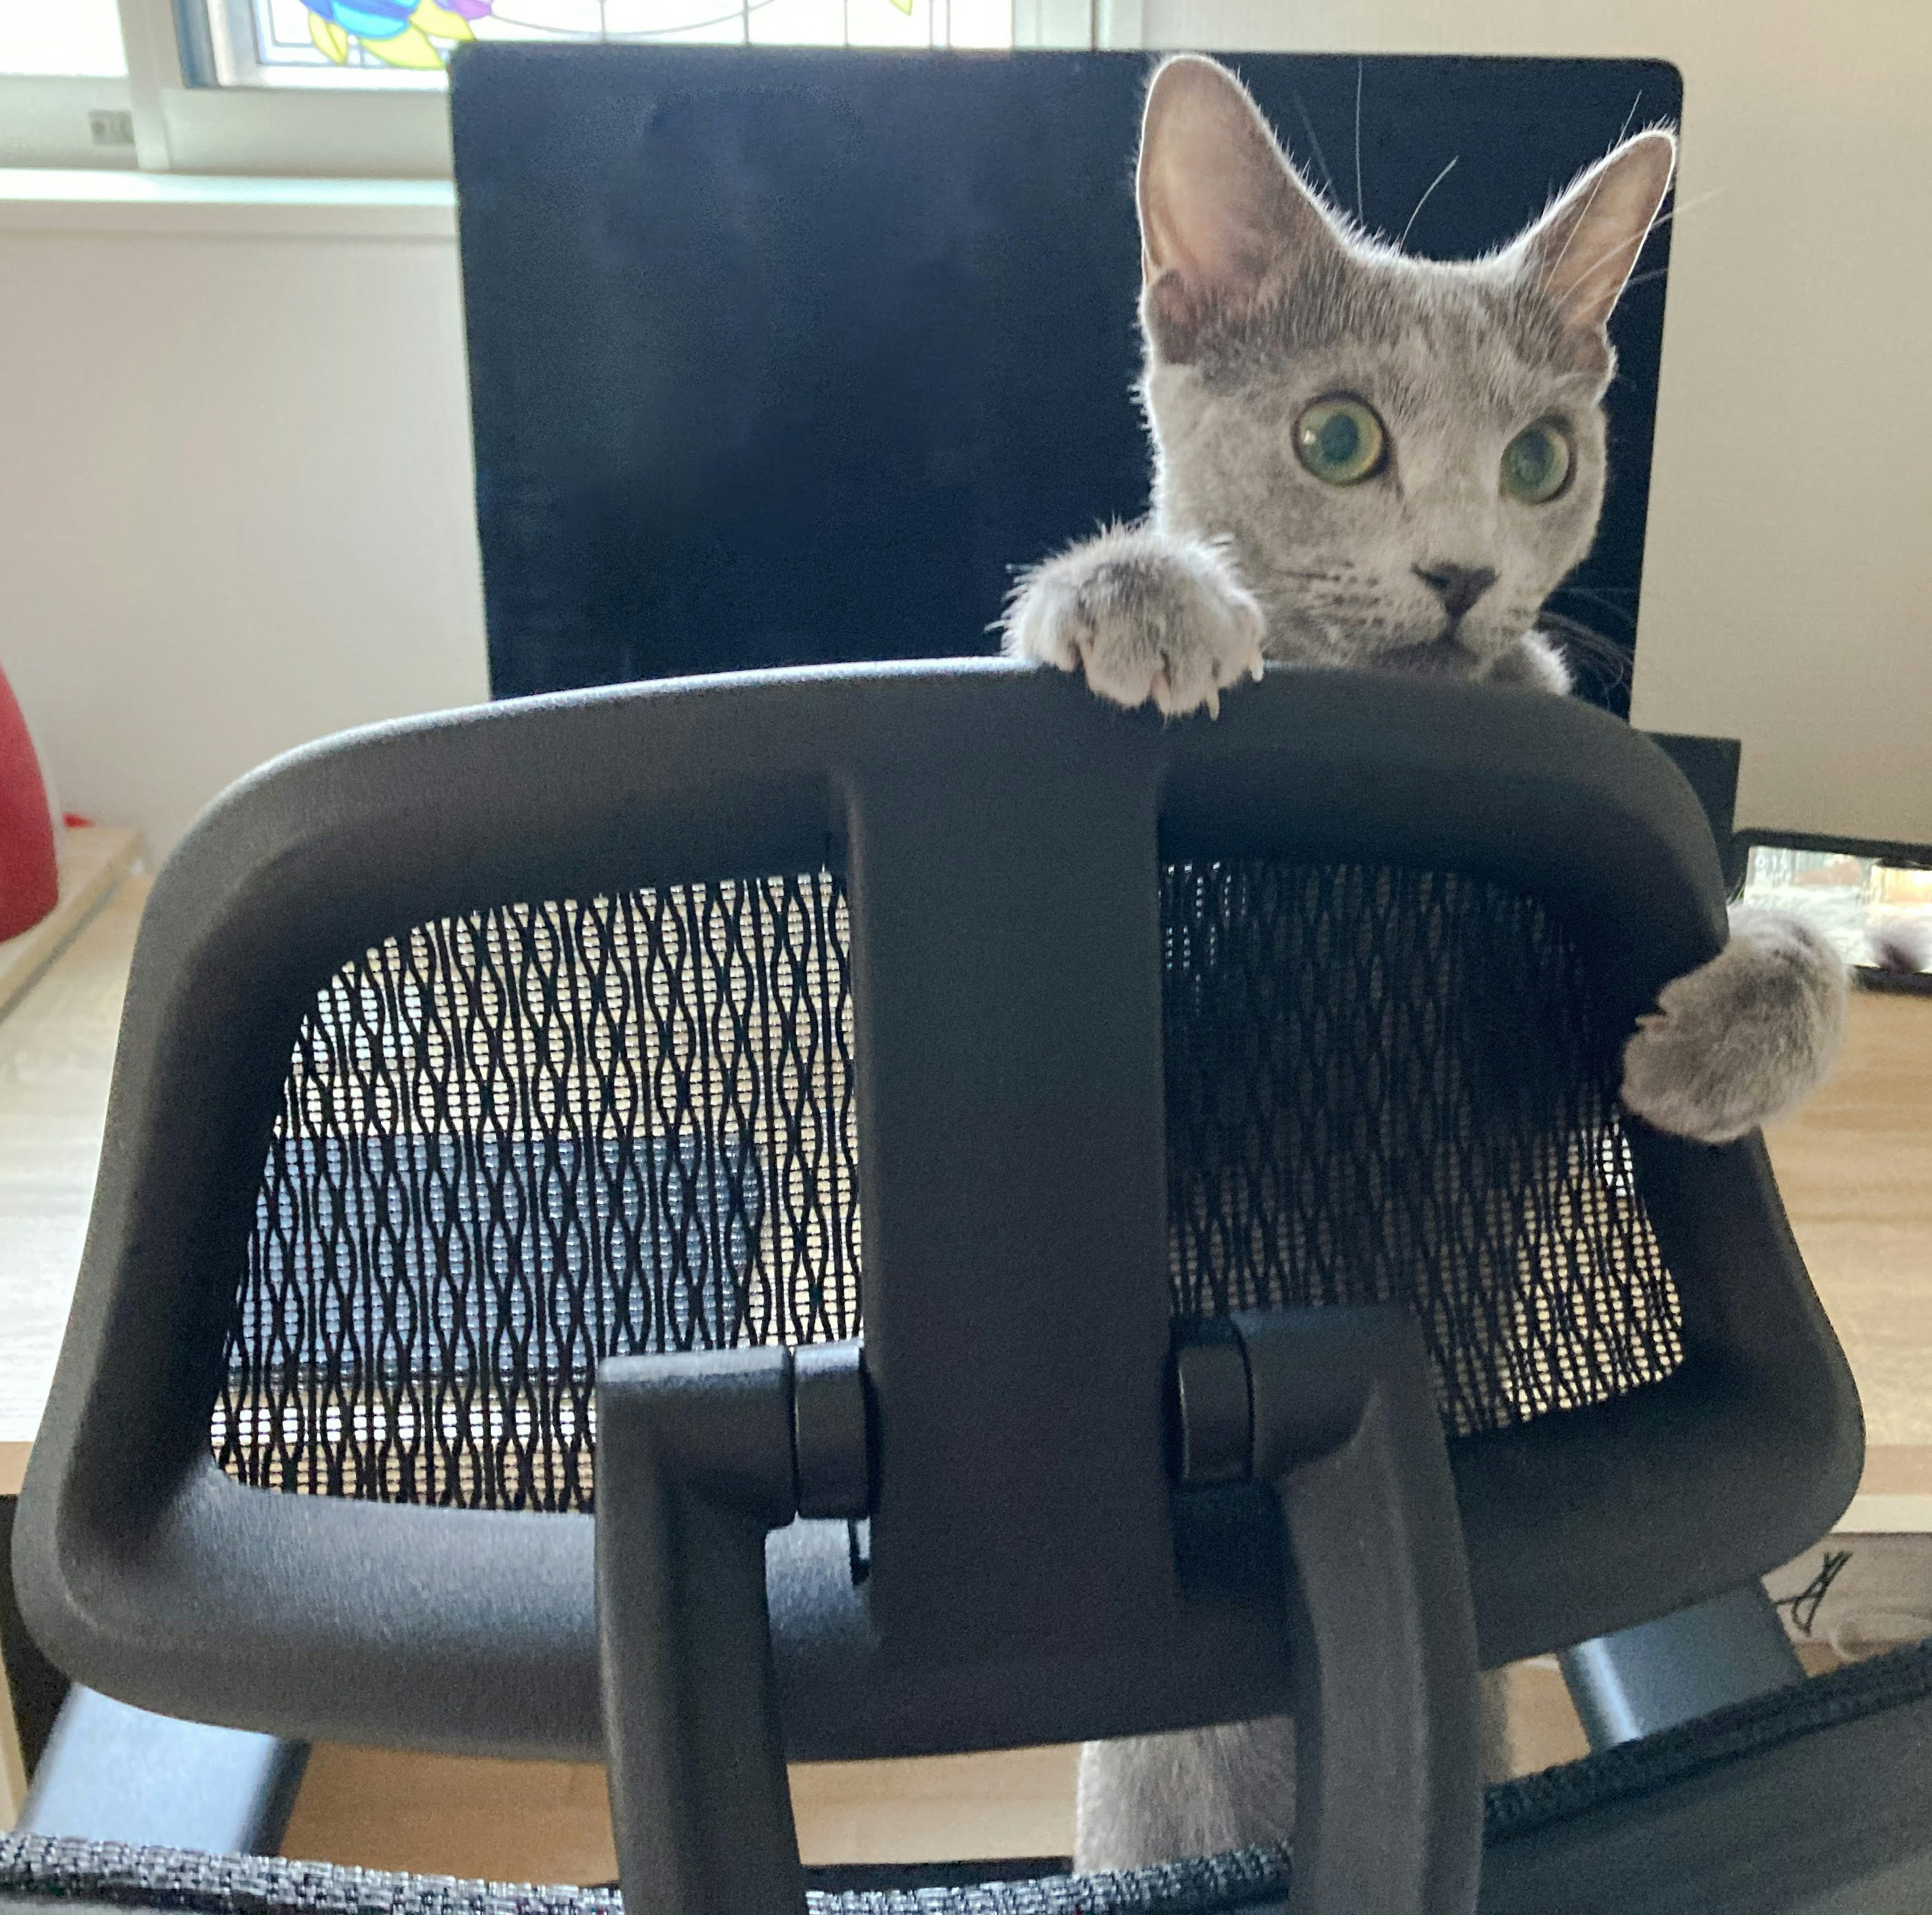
1149,618
1743,1038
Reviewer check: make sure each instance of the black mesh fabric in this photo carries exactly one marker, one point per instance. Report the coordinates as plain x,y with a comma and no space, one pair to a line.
513,1143
1389,1086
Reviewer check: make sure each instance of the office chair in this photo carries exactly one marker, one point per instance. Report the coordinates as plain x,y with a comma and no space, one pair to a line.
1057,1224
551,153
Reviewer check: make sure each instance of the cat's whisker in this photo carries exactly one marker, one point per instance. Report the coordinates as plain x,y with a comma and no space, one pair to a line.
1576,225
1623,131
1662,219
1591,648
1361,218
1602,604
1402,243
1314,146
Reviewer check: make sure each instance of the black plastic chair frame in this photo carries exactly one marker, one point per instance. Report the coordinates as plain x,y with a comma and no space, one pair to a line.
983,813
1693,1819
702,1453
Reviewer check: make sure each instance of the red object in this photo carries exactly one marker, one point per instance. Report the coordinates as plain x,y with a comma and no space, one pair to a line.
29,877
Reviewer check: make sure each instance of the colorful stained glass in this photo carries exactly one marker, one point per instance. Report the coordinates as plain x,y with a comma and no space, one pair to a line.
403,40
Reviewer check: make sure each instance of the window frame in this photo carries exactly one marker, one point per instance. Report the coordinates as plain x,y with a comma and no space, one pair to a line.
183,123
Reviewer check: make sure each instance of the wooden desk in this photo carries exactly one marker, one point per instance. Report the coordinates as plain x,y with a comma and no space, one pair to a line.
58,1027
60,986
1854,1168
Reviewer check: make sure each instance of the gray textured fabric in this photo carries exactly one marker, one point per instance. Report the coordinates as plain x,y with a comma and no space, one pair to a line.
108,1875
114,1875
1658,1762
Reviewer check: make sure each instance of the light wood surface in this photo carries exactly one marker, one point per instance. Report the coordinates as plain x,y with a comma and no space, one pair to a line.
13,1770
454,1815
56,1055
1855,1167
549,1821
93,860
54,1062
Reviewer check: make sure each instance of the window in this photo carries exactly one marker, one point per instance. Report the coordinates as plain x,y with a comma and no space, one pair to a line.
1879,915
353,87
402,43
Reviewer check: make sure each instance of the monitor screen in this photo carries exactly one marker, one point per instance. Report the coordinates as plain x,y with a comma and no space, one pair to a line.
786,355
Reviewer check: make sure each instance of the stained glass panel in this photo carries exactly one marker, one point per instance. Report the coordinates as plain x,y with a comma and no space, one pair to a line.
407,42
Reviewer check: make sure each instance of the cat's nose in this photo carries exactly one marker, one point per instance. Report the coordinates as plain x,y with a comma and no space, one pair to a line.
1458,586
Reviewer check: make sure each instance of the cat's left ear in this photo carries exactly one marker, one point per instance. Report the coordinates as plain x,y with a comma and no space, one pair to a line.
1583,249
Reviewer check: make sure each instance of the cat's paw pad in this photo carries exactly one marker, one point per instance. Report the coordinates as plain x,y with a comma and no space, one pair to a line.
1167,625
1743,1038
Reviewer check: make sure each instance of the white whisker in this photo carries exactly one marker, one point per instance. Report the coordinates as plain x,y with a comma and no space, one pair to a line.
1576,227
1361,217
1401,244
1314,146
1661,219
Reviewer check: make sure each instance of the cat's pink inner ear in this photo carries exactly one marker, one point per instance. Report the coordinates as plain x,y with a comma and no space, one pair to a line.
1220,206
1583,249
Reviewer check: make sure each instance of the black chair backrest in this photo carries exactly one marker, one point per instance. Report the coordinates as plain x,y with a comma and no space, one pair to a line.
782,356
944,1006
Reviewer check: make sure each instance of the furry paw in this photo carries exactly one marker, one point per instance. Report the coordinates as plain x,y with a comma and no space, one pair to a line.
1743,1038
1535,662
1149,619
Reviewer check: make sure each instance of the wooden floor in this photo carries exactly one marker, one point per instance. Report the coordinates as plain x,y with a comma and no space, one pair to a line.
547,1821
56,1051
1855,1167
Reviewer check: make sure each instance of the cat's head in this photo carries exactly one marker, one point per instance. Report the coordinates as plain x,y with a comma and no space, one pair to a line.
1407,456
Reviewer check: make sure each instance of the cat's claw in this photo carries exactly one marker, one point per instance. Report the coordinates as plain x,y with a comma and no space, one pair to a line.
1147,619
1743,1038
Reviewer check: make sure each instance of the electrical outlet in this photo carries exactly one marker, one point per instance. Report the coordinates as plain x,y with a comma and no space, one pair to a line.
111,127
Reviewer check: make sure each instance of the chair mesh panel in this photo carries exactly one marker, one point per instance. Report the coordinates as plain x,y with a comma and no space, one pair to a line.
513,1143
1388,1086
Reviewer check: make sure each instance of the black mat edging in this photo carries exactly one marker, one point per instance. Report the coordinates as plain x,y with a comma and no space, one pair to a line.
70,1869
1533,1802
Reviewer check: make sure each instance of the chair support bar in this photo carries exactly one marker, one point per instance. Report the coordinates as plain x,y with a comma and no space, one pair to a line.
699,1456
1382,1635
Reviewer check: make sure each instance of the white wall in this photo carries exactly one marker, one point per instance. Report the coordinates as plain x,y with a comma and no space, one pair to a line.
235,507
1787,595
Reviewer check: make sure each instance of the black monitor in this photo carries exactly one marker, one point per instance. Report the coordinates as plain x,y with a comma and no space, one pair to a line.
785,355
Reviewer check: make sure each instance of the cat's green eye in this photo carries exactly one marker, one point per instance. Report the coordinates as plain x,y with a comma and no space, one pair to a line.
1340,440
1536,463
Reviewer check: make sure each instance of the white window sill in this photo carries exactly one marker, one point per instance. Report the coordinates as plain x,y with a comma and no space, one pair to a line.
47,200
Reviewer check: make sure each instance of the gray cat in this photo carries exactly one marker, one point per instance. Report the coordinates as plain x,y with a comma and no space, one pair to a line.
1373,462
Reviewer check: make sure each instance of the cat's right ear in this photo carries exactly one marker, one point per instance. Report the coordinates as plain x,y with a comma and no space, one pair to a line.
1223,212
1583,249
